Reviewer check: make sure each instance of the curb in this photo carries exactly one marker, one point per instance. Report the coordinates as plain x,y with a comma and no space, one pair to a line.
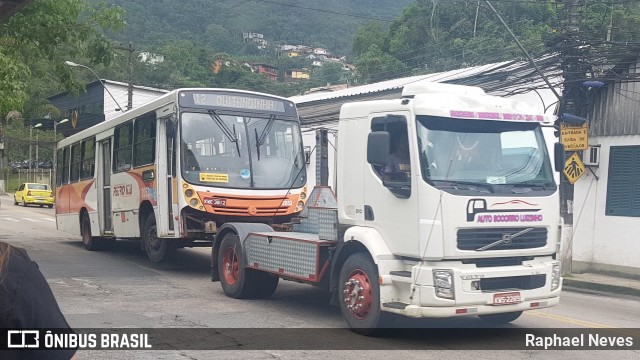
581,285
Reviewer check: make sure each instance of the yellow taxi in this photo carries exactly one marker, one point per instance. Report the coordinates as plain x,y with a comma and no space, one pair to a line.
31,193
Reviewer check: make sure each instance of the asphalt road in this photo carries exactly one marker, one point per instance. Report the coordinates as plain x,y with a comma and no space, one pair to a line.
121,288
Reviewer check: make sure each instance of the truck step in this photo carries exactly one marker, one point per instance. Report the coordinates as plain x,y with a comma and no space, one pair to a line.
401,273
395,305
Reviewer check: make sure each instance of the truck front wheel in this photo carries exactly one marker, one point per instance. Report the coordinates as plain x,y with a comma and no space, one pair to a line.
501,318
360,294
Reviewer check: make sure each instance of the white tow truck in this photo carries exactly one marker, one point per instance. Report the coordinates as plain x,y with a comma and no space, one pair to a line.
467,224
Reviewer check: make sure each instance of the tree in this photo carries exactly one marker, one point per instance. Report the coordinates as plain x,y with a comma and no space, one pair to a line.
35,42
369,34
376,65
33,46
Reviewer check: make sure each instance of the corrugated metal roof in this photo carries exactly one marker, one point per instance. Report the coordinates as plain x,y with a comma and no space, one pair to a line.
507,78
397,83
616,108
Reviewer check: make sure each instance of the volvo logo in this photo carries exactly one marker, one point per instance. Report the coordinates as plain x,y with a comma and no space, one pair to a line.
506,239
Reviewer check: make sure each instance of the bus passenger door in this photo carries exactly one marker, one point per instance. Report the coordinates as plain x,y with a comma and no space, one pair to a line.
104,186
166,177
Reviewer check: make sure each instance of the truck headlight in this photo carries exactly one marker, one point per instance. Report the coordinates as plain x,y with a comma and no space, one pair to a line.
555,276
443,283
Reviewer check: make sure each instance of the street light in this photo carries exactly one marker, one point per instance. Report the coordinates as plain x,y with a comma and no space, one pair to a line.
72,64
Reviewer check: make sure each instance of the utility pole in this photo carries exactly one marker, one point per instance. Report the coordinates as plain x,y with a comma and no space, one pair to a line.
573,74
130,50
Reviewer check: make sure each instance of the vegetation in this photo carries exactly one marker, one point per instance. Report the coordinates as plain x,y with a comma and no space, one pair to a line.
33,45
433,35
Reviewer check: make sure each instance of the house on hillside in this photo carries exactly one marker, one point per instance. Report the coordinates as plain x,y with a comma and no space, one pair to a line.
606,209
296,75
269,70
150,58
256,38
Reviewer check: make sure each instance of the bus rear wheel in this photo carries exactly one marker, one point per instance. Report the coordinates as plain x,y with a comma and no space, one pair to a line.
90,242
158,250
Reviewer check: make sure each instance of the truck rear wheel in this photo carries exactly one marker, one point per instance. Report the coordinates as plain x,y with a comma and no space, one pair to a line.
501,318
360,294
237,281
158,250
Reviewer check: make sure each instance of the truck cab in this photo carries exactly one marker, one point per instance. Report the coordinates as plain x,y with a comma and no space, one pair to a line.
473,226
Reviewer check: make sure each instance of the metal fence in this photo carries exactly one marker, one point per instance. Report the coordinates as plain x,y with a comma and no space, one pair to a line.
14,178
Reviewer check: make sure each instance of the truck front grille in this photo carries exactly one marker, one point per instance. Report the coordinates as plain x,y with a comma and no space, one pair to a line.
527,282
473,239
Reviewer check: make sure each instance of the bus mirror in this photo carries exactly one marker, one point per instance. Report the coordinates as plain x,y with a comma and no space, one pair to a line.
378,148
307,155
558,156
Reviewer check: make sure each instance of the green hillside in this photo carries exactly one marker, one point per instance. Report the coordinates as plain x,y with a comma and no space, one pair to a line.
219,24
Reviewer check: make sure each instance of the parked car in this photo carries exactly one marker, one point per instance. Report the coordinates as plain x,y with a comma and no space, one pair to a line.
32,193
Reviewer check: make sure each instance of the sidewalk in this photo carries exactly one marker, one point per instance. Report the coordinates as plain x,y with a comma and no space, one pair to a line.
591,282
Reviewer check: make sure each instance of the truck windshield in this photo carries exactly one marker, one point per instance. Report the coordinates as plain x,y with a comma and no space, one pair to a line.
483,154
236,151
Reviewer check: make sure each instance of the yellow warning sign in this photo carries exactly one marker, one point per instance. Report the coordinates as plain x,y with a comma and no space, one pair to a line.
573,168
210,177
574,137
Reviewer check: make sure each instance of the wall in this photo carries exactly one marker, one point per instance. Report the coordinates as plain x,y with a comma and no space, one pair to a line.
605,243
140,97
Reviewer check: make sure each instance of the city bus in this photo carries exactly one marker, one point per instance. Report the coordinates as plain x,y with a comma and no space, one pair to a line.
174,170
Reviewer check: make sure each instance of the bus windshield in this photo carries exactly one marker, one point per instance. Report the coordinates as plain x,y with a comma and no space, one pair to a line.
240,151
488,153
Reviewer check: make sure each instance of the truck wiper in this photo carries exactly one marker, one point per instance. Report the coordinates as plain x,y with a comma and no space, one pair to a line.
469,185
228,133
263,135
534,186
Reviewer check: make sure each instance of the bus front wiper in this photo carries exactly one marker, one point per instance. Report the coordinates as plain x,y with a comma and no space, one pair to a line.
263,135
228,133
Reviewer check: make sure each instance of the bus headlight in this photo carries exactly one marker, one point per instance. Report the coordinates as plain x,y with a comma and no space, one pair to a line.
443,283
188,193
300,206
555,276
193,202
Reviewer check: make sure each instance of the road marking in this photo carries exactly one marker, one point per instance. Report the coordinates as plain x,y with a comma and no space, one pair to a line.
50,219
583,323
30,219
10,219
568,320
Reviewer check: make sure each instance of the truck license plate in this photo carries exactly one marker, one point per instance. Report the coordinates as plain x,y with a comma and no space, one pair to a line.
507,298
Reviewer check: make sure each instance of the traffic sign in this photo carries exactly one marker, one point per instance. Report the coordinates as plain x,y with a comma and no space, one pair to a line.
573,168
574,137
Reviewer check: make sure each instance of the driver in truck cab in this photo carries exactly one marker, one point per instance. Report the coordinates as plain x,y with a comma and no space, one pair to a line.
399,167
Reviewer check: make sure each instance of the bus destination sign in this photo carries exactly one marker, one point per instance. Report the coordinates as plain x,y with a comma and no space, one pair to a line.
238,102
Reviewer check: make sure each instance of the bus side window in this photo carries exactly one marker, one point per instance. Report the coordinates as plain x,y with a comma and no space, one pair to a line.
144,144
122,149
88,158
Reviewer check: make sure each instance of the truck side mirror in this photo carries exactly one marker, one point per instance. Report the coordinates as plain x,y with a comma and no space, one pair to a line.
378,144
558,156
